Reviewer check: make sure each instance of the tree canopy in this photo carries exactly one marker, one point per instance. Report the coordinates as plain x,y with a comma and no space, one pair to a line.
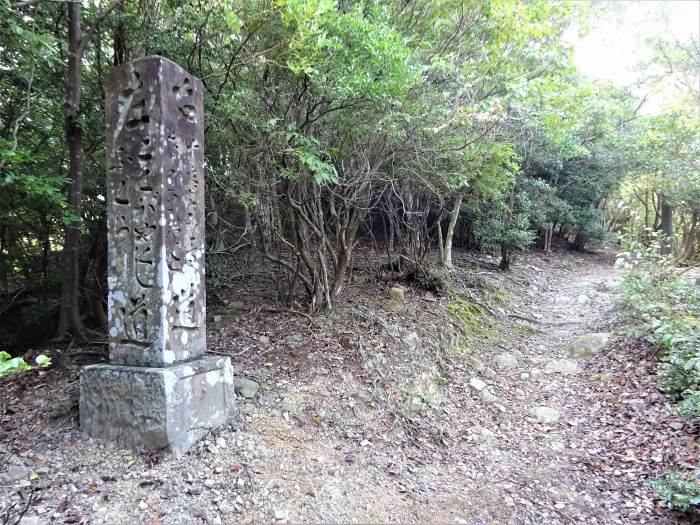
406,125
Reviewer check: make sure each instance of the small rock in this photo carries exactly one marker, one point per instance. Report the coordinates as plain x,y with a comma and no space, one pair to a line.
398,293
676,425
32,520
395,306
525,376
562,366
506,360
142,505
477,365
583,299
294,340
279,515
236,306
264,339
609,286
587,345
477,384
220,442
545,415
488,397
209,483
411,340
490,373
14,473
563,300
481,434
245,387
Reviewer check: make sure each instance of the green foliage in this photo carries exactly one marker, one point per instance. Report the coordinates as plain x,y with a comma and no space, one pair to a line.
664,308
473,318
10,365
679,491
499,227
322,116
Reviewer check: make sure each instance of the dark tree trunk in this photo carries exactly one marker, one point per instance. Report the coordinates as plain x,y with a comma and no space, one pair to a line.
119,46
505,258
505,249
70,323
580,241
666,227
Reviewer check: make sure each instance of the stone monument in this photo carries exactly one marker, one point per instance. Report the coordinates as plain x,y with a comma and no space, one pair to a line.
159,389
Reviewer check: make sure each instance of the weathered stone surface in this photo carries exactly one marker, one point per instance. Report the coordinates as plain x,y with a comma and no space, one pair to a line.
155,213
545,415
411,340
245,387
488,397
397,303
395,306
14,473
152,408
398,293
562,366
506,360
609,286
587,345
159,390
477,384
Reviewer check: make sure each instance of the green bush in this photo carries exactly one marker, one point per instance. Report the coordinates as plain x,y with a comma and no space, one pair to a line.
679,491
664,308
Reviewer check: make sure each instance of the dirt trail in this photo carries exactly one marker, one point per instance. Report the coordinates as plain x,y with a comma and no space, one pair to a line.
318,445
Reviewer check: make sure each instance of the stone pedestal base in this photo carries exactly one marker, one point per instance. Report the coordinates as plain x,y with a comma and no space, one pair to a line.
156,408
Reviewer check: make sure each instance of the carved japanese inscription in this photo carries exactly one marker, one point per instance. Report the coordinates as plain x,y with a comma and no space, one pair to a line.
155,214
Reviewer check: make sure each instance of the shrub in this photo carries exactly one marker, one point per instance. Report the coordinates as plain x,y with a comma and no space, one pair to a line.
679,491
663,308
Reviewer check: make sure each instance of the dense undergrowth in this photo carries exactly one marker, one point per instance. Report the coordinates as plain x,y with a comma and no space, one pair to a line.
662,307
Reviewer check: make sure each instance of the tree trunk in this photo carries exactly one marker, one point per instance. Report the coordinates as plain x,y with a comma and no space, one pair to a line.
70,323
441,245
505,258
119,45
692,239
548,239
580,241
505,249
339,275
666,227
454,215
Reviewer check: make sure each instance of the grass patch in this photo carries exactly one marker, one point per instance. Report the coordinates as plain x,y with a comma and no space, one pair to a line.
474,320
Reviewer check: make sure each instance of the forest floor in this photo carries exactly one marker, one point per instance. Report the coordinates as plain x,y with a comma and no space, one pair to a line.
464,408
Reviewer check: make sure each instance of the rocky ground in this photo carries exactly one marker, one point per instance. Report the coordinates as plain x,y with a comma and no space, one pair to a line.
509,399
